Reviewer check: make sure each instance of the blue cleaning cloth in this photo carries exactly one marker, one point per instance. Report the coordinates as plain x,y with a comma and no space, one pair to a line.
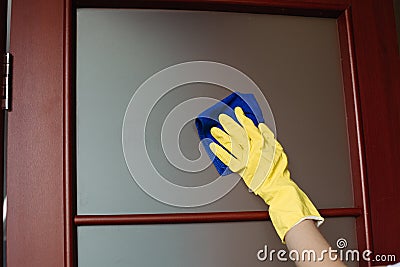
209,118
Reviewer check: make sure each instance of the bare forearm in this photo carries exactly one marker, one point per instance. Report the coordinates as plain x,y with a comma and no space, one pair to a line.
306,236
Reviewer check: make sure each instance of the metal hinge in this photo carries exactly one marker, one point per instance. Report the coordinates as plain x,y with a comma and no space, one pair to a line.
7,81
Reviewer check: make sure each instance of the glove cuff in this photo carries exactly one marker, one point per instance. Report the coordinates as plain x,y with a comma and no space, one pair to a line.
283,224
289,206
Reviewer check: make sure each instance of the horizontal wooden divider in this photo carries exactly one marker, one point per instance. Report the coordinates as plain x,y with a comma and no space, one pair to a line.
206,217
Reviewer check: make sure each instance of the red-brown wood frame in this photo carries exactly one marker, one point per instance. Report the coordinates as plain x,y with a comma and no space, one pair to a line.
3,38
42,220
354,129
332,9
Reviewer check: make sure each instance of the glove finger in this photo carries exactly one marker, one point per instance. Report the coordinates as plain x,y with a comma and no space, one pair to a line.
251,130
229,160
231,126
239,138
222,137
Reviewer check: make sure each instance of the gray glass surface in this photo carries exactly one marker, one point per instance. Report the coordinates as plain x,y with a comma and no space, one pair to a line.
295,61
221,244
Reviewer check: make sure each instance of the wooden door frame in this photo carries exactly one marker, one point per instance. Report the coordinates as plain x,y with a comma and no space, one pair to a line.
40,143
3,45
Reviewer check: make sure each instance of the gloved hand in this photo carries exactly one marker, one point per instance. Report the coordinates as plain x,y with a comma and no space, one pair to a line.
260,160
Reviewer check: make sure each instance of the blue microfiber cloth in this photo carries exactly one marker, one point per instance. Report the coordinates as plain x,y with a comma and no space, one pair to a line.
209,118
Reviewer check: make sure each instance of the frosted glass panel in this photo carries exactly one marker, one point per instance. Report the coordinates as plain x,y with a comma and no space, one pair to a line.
295,61
195,245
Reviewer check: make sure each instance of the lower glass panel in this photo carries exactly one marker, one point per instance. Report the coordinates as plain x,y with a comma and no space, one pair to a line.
195,245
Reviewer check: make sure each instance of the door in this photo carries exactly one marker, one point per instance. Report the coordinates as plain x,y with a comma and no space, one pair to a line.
51,199
155,71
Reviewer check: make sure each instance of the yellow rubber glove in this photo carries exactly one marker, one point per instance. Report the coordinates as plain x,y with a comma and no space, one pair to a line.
260,160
